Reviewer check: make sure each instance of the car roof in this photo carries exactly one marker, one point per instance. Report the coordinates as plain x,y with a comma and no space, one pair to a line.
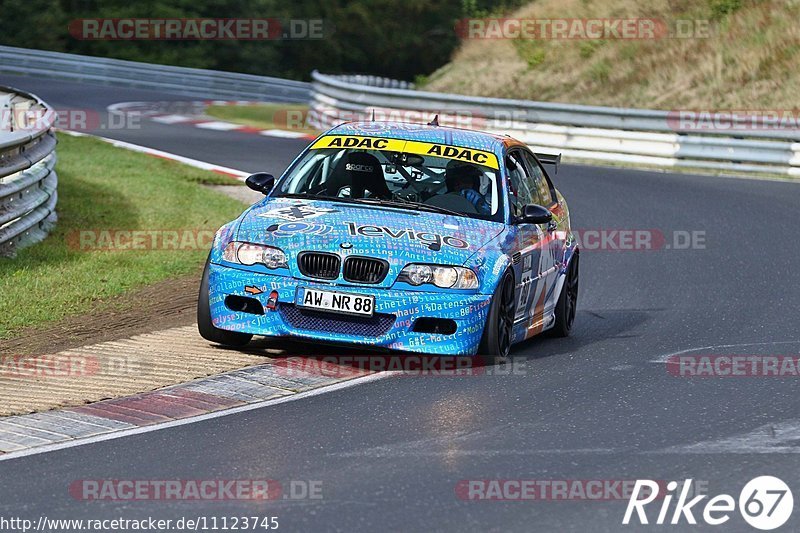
409,131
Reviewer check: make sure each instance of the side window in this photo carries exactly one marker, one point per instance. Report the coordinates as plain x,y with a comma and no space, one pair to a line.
521,192
539,181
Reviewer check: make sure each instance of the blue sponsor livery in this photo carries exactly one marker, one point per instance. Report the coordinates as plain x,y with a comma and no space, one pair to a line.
400,236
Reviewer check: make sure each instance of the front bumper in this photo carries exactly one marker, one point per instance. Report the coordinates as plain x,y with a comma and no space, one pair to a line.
392,326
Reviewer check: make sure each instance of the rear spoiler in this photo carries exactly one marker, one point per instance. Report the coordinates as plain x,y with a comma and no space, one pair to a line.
549,159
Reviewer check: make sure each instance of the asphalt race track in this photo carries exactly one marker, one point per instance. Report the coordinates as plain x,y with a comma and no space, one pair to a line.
599,405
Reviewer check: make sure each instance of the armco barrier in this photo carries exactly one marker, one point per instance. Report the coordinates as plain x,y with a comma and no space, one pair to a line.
28,178
638,136
199,83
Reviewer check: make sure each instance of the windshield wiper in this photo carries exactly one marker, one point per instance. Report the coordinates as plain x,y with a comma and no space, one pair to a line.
408,205
296,195
313,197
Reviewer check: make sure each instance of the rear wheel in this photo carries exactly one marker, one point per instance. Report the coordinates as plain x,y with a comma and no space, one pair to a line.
496,341
206,327
567,301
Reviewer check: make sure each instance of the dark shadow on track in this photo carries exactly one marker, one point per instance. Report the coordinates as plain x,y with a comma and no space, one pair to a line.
590,328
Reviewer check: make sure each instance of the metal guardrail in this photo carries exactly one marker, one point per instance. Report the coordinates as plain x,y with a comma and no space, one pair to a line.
375,81
211,84
28,179
638,136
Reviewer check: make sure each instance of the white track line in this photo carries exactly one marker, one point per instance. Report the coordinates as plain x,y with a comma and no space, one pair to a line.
663,359
171,119
282,133
218,125
192,420
239,174
122,107
773,438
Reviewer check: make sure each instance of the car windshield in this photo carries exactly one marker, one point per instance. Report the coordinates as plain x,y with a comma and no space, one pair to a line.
398,179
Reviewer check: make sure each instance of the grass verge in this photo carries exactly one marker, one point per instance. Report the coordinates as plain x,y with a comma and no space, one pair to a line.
716,54
292,117
102,188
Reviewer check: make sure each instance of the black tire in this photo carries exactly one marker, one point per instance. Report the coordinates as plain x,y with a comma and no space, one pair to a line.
206,327
567,304
496,340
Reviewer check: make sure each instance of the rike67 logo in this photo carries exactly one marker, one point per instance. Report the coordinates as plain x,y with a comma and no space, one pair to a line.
765,503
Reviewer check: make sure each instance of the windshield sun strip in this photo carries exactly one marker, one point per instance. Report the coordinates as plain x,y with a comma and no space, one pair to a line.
474,156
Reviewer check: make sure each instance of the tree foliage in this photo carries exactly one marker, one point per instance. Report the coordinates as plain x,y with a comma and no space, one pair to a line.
399,39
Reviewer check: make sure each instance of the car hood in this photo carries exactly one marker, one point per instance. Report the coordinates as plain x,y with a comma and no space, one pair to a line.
397,235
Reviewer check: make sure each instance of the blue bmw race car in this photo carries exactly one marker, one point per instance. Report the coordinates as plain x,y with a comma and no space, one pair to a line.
409,237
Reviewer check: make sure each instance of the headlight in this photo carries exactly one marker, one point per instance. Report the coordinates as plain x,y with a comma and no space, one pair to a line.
249,254
446,277
274,258
417,274
246,253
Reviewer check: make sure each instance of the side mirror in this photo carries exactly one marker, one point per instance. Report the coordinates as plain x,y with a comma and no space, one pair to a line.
261,182
535,214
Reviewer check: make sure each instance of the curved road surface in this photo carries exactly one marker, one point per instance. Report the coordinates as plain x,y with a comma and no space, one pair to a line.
596,406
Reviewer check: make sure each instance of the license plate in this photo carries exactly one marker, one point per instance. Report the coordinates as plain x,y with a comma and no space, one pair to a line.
335,302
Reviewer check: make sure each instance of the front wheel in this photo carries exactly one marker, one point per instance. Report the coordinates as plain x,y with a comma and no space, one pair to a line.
567,301
204,324
496,341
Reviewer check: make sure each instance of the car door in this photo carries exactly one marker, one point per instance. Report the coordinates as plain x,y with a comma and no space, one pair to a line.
532,263
553,240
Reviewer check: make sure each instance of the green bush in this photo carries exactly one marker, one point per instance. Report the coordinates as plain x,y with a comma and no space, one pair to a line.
720,8
382,37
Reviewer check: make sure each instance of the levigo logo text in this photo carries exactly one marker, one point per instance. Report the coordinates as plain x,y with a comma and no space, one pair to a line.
765,503
433,241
